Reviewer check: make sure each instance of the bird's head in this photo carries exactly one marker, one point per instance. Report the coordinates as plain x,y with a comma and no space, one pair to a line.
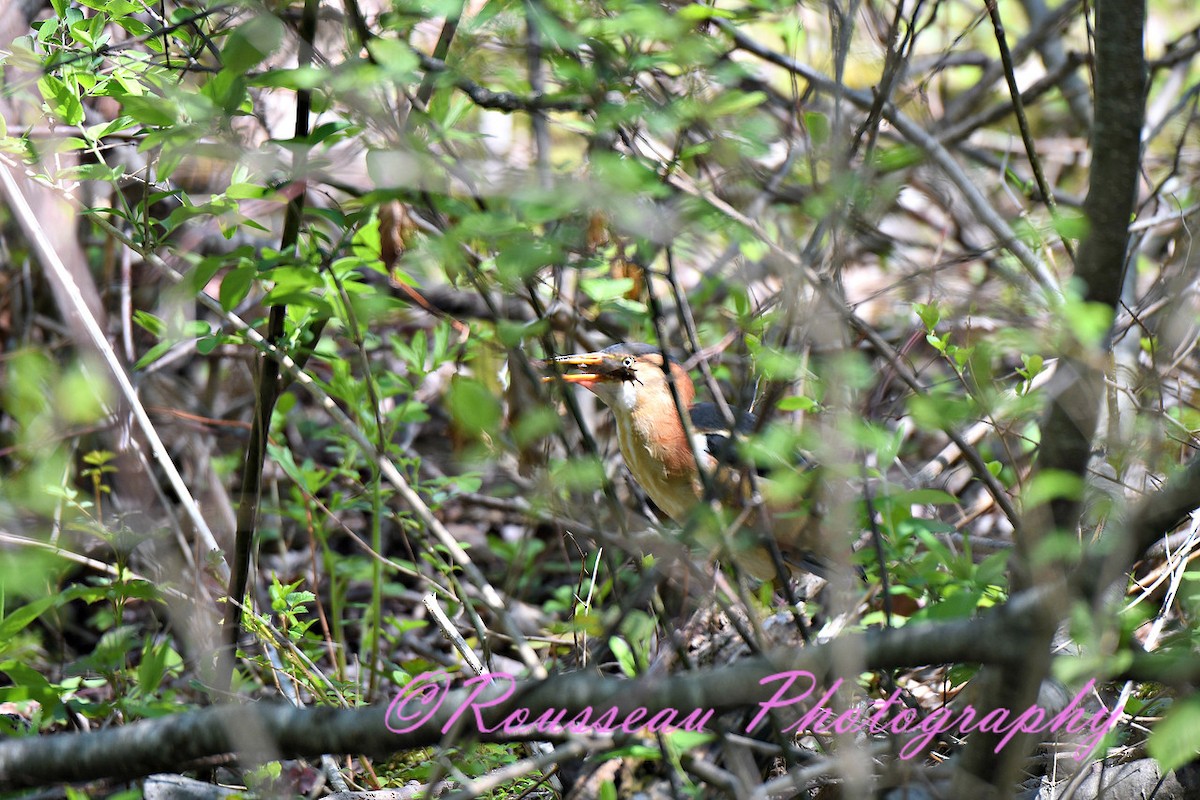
627,377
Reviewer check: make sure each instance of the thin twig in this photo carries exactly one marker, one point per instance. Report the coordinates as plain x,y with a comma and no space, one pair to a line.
50,259
978,203
91,563
1035,162
451,633
503,101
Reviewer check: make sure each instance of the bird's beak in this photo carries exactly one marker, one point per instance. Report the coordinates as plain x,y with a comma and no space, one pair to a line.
594,368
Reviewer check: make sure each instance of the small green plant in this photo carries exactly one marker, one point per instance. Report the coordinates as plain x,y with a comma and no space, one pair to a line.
98,467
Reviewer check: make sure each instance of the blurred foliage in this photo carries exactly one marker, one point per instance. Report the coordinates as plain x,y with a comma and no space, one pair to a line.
532,177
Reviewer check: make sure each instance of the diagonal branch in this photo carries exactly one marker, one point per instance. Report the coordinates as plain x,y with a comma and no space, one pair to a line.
76,306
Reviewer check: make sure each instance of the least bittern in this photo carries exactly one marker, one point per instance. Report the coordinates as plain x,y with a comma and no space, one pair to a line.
665,451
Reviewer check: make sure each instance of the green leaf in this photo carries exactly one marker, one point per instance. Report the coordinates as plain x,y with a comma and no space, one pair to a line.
153,354
689,740
624,655
474,408
293,279
753,249
1070,224
1176,740
295,599
134,26
1050,485
604,290
236,285
939,408
207,344
98,457
115,8
93,172
294,79
959,605
925,497
584,473
150,110
396,58
696,12
325,133
253,41
26,679
1032,365
153,666
1058,547
797,403
818,127
892,159
197,279
931,542
1089,322
153,325
17,621
732,103
64,102
992,570
929,314
249,191
227,90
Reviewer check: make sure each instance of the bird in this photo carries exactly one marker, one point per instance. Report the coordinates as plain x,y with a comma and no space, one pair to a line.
665,452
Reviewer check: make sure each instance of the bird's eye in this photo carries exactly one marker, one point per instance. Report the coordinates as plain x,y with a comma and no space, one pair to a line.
628,362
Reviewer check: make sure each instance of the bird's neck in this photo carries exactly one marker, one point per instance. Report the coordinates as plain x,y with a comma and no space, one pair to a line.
654,445
653,428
